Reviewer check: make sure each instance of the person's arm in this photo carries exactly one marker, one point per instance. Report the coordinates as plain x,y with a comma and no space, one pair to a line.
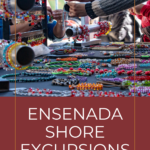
22,27
100,7
107,7
56,31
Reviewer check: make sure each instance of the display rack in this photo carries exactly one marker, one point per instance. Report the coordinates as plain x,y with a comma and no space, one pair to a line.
43,9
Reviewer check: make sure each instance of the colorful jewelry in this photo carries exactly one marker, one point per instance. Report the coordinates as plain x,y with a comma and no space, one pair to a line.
107,74
43,93
126,66
67,59
87,86
105,28
144,65
44,77
43,61
138,78
65,82
64,64
120,61
7,56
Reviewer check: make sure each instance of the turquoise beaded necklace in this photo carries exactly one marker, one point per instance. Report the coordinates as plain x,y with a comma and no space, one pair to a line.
107,74
44,77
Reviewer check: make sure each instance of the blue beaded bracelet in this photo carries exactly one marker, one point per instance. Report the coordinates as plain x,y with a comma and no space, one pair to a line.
107,74
145,65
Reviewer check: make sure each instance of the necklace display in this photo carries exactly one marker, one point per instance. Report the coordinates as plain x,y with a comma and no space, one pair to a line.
64,64
65,82
74,93
43,77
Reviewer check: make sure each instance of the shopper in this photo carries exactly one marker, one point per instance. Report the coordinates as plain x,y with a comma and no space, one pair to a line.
100,7
55,29
143,13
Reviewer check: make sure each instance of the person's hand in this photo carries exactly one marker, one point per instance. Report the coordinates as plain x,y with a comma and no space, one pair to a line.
137,9
58,15
49,11
131,10
77,10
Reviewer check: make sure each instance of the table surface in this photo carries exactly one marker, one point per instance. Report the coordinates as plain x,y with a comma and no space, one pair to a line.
48,84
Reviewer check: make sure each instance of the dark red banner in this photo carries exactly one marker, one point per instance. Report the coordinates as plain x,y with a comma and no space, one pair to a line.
74,123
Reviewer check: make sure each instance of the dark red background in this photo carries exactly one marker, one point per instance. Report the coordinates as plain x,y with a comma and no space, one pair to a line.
115,132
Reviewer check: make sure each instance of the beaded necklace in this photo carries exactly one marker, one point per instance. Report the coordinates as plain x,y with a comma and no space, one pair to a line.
126,66
75,93
44,77
43,61
65,82
120,61
64,64
138,78
144,65
107,74
140,89
87,86
67,59
144,61
43,93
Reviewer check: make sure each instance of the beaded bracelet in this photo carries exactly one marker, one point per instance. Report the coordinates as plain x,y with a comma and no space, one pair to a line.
113,79
138,78
144,61
67,59
87,86
64,64
140,89
64,82
73,72
43,92
43,61
88,65
107,74
44,77
88,60
80,78
144,65
126,66
119,61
